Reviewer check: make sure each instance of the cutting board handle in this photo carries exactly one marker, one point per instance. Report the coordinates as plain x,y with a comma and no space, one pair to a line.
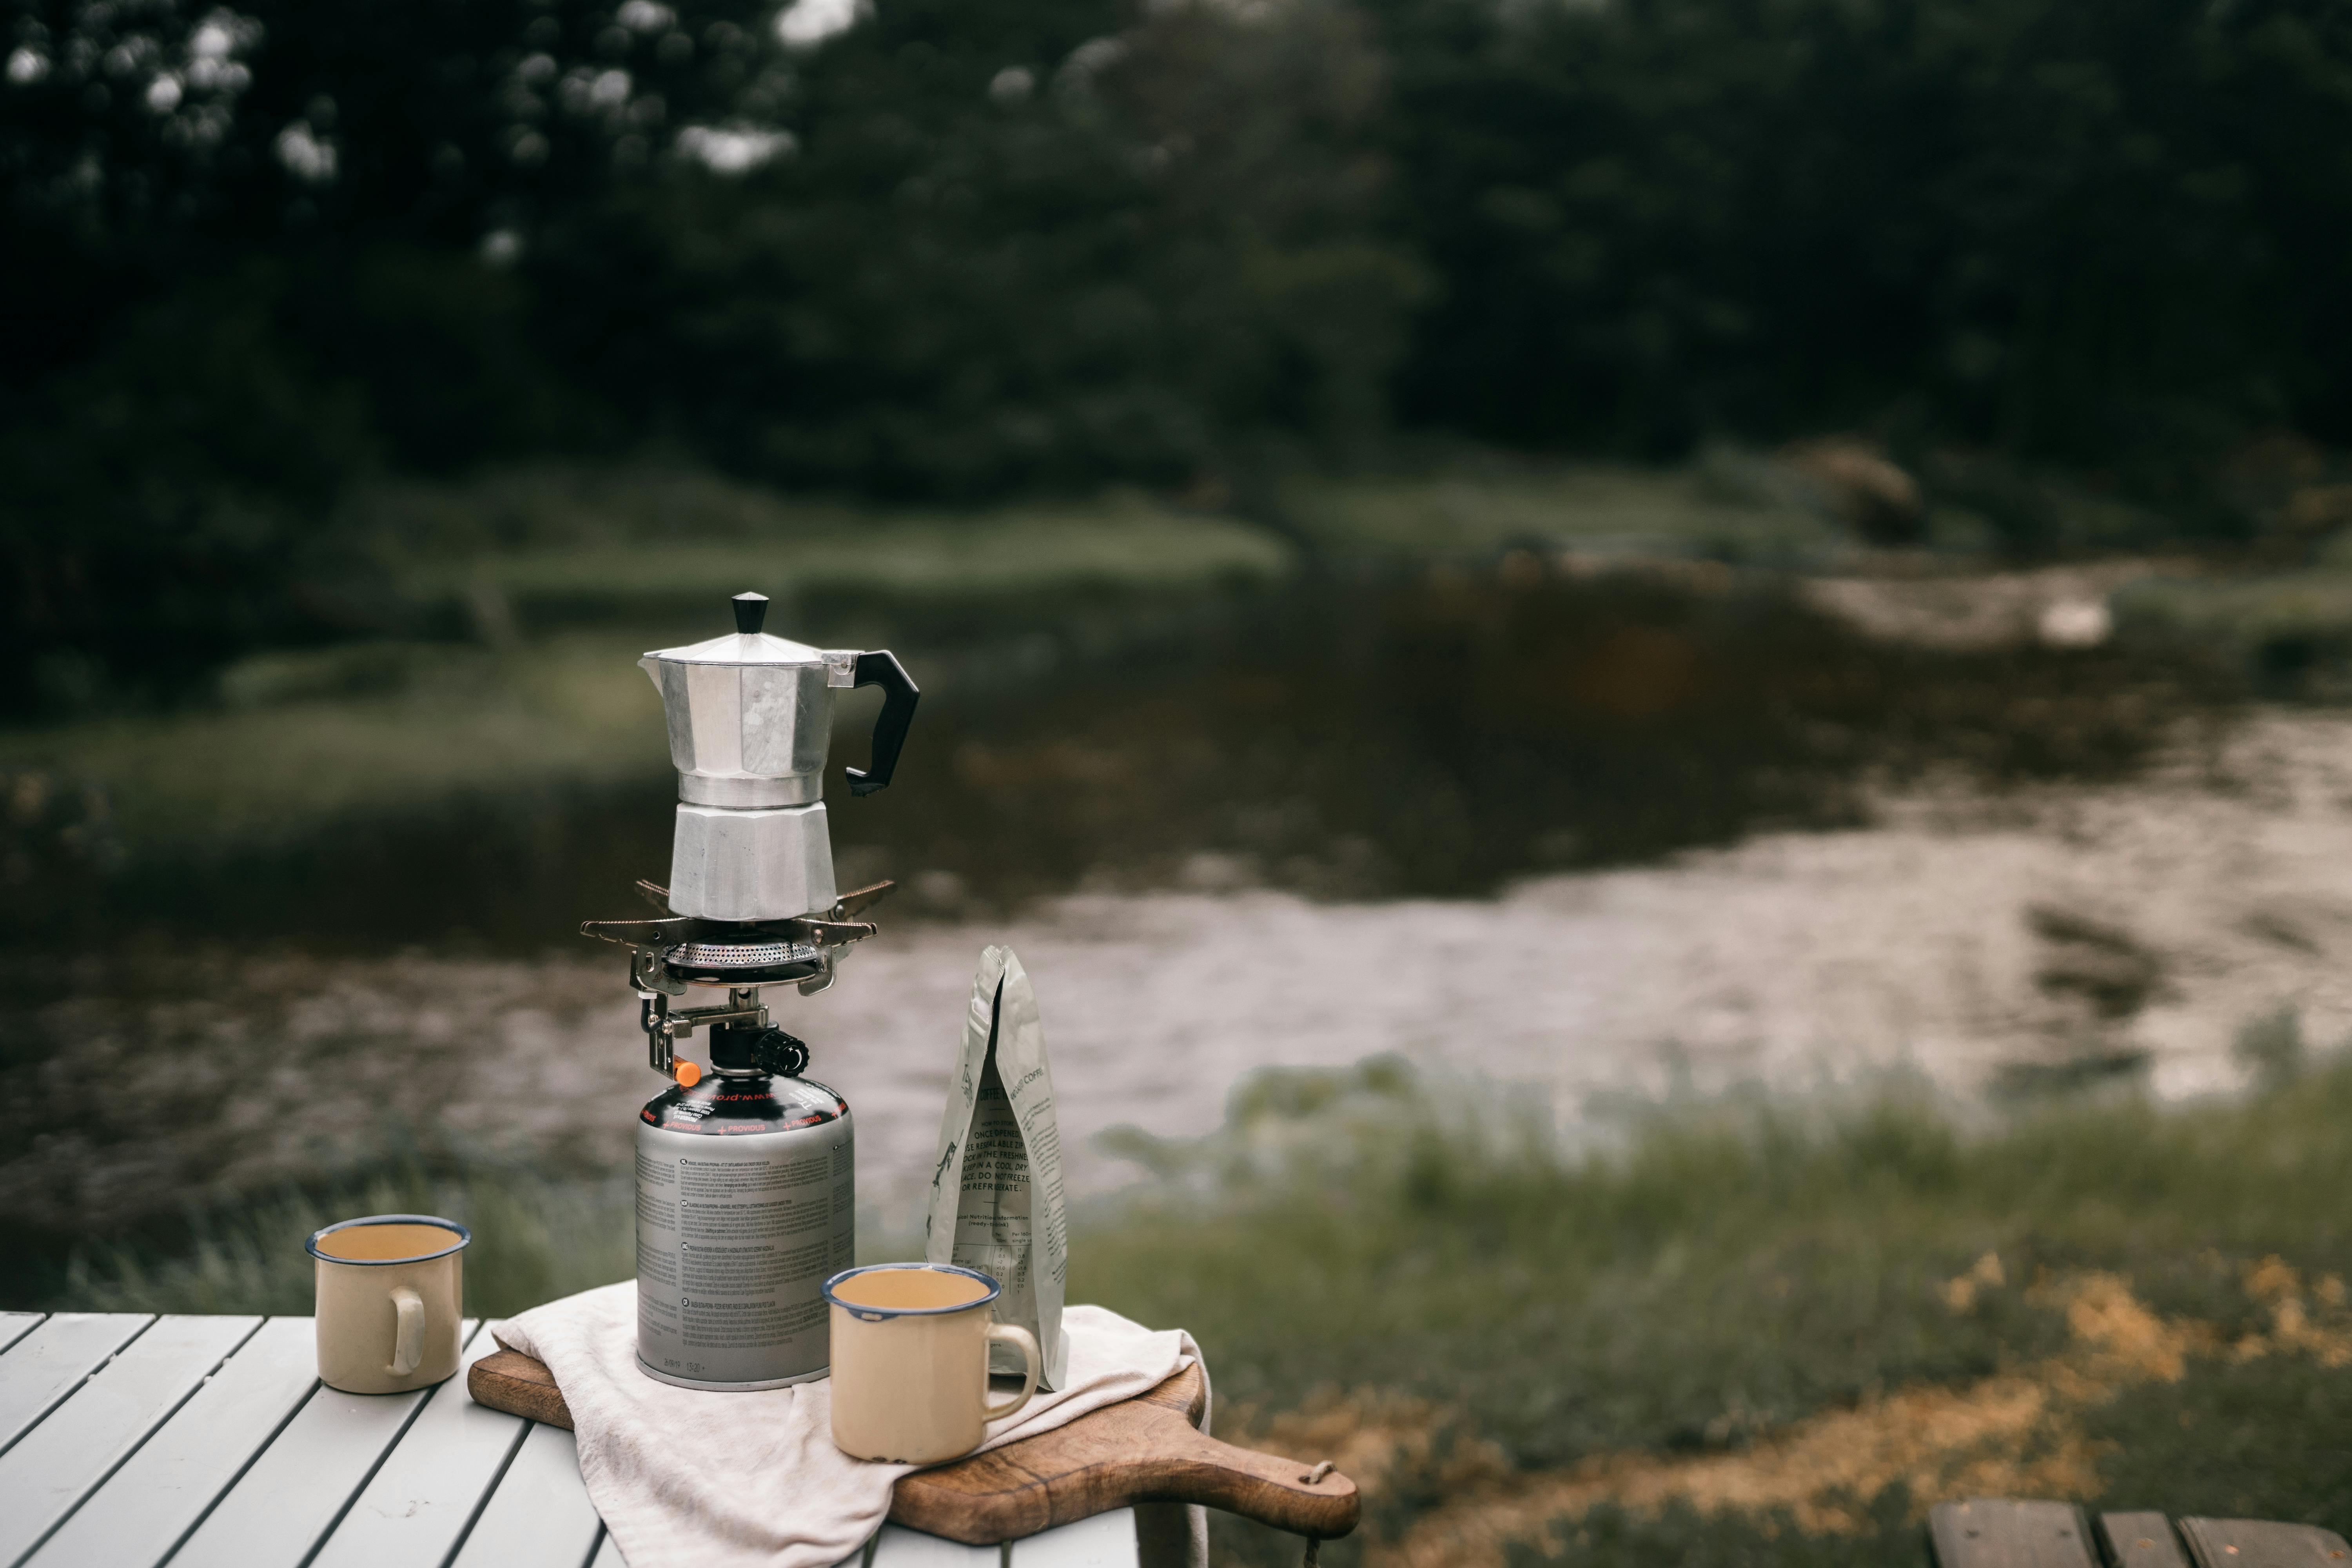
1266,1487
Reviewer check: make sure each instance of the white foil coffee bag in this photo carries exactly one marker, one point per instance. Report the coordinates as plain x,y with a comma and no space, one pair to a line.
996,1178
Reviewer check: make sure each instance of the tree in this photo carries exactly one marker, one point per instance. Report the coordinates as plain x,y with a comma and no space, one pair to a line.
2104,232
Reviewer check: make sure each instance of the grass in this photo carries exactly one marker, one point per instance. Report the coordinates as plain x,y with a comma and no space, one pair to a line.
1747,1333
1126,545
611,534
626,538
1658,1340
568,710
2291,631
534,1240
1722,507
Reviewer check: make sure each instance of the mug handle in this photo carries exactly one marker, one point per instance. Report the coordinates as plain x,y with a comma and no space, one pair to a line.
408,1341
1006,1334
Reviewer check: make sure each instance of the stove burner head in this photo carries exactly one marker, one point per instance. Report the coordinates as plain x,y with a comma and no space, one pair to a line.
669,953
760,961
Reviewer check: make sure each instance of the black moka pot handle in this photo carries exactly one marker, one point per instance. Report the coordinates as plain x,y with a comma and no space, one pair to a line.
899,696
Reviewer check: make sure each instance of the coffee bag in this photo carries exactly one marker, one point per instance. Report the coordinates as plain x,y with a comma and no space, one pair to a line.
996,1178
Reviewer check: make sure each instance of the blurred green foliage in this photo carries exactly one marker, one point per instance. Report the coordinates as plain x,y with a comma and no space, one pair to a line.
967,247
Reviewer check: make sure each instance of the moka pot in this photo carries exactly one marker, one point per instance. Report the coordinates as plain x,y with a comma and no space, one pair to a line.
750,719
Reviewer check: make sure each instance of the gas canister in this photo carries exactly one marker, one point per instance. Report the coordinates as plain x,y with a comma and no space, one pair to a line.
746,1205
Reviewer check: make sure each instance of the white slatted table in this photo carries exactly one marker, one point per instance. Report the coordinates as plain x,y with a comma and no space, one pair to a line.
129,1441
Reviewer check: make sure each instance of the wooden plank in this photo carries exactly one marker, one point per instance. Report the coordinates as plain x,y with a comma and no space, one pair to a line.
14,1326
105,1420
1106,1540
2261,1543
2009,1532
45,1365
2141,1541
419,1504
279,1509
896,1546
541,1516
161,1492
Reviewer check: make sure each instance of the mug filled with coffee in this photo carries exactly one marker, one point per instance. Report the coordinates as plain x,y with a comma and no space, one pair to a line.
910,1346
391,1293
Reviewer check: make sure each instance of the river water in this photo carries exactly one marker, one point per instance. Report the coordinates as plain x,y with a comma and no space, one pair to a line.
1969,934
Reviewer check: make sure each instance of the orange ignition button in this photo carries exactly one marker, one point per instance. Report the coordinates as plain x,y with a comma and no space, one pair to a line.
686,1074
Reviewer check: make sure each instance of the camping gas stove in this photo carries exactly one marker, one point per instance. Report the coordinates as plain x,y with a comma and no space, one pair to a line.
668,954
746,1174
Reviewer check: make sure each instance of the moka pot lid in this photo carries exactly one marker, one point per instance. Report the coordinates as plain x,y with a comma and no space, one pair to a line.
747,645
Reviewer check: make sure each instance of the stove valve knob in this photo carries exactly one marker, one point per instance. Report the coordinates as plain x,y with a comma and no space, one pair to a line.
779,1054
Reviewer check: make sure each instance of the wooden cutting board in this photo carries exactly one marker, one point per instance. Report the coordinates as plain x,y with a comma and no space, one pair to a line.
1144,1449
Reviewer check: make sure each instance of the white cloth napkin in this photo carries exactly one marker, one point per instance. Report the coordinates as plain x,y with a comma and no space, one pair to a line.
695,1479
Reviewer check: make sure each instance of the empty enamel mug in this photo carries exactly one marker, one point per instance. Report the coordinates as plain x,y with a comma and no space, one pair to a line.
391,1291
910,1360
